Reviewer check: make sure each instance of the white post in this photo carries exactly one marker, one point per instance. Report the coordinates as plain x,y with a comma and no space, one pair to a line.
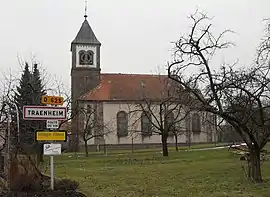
97,147
52,166
52,173
52,170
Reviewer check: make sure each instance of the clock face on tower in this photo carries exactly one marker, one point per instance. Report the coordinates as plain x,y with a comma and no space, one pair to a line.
86,58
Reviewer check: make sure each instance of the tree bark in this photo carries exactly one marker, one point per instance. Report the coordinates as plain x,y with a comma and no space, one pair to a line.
254,166
164,145
105,148
176,143
86,148
132,145
188,141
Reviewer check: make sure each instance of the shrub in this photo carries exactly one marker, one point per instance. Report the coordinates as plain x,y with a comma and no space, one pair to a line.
66,184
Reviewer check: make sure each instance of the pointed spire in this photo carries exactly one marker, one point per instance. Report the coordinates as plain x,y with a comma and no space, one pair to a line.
86,34
85,10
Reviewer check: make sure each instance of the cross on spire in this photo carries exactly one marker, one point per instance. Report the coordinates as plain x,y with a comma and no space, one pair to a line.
85,10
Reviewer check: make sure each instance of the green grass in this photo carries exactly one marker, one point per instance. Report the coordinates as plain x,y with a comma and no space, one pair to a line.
213,173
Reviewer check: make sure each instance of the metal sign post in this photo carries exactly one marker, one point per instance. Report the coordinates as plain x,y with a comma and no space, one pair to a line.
53,100
52,114
51,150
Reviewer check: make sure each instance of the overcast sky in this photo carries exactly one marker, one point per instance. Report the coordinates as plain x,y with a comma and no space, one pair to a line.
136,35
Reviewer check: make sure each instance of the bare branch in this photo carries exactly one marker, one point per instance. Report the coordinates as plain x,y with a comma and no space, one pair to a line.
239,96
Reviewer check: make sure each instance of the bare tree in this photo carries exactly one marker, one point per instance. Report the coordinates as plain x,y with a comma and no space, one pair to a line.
164,114
7,90
57,87
92,126
6,95
239,96
3,120
181,130
133,133
264,47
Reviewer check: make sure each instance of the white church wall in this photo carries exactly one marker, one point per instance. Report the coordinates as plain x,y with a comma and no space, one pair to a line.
91,141
208,129
110,110
109,114
85,117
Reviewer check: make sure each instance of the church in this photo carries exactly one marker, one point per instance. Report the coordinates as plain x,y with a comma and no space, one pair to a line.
128,109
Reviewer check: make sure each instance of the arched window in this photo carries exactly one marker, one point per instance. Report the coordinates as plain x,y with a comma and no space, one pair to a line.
122,124
170,122
146,124
86,57
196,123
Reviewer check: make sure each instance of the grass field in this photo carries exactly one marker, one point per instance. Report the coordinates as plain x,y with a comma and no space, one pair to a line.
211,173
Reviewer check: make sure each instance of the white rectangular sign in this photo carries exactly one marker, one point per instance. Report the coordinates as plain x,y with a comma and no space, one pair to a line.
44,113
52,124
52,149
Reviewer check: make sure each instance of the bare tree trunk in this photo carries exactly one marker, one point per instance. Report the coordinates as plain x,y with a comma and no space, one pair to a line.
188,136
86,148
254,166
132,145
105,148
189,141
164,145
176,143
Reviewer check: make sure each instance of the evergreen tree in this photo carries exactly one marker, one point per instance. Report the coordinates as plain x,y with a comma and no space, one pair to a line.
29,92
38,87
37,92
23,94
23,97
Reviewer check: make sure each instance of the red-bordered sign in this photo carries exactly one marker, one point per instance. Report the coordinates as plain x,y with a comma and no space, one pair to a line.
31,112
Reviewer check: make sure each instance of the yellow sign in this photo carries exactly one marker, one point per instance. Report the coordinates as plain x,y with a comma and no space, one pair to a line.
52,100
45,135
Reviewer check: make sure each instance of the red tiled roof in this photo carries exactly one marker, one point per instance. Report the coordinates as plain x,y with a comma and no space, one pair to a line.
128,87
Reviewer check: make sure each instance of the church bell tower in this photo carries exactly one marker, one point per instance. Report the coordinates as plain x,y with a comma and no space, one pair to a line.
85,71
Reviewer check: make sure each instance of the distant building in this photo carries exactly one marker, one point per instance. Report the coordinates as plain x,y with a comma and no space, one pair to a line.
113,96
